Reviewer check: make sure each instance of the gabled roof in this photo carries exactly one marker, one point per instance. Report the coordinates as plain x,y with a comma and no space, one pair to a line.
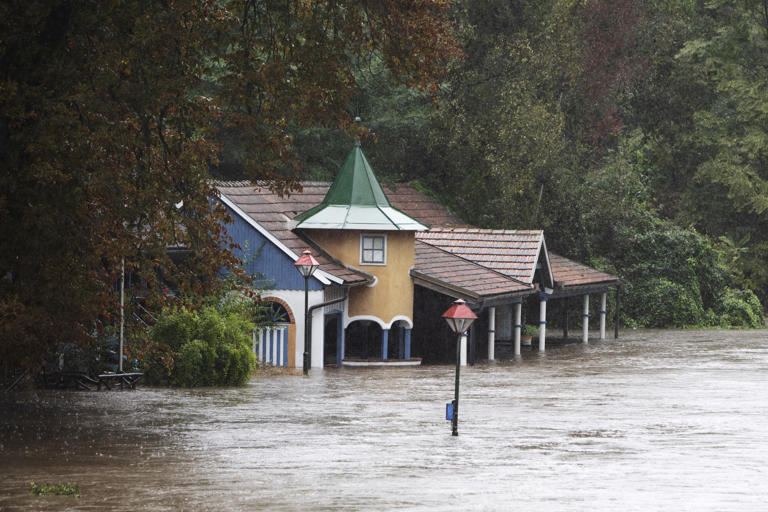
453,275
514,253
266,212
356,200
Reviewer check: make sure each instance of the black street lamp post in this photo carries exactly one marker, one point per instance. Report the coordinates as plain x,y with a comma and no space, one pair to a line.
306,265
459,318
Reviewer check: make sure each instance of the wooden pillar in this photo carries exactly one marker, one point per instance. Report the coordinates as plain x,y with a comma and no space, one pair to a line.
518,325
603,312
339,340
542,321
407,343
491,333
565,318
384,343
585,322
616,313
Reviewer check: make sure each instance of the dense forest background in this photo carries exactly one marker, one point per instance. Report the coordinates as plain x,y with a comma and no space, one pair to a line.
635,133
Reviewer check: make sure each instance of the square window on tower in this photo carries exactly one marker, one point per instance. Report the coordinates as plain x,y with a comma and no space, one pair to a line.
373,250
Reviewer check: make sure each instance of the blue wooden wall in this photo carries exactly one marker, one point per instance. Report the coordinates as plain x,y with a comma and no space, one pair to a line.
270,261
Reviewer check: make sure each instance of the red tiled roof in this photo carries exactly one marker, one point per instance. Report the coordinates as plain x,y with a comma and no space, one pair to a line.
436,268
513,253
510,252
569,273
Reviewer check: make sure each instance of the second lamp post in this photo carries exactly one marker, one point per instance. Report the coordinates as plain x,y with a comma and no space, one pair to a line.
459,318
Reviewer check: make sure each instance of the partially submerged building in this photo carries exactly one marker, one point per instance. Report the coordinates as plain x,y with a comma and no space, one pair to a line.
391,261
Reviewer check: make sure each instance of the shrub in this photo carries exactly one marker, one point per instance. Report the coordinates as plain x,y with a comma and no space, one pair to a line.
661,303
208,348
740,308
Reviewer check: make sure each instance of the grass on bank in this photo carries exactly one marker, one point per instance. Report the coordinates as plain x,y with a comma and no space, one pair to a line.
62,489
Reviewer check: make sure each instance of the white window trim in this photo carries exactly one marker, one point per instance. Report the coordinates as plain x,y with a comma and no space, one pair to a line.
362,236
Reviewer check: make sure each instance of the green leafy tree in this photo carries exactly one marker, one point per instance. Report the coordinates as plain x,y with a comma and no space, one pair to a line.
731,59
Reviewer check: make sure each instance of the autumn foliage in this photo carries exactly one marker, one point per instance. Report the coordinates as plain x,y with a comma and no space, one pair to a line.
111,115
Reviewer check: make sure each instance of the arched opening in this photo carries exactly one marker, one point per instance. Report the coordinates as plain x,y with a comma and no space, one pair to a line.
398,340
363,340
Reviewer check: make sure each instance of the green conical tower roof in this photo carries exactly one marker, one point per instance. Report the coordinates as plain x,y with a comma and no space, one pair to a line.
356,201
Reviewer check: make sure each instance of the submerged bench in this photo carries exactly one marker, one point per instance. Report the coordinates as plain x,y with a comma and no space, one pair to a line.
123,380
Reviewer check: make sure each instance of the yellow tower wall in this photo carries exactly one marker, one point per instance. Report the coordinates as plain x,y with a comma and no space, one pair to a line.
393,293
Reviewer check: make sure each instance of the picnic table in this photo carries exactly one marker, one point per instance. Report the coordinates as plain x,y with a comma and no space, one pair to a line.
123,380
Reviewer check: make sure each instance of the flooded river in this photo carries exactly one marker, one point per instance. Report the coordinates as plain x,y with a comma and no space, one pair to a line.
669,420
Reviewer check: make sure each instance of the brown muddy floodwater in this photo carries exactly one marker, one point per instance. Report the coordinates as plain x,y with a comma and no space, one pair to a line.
668,420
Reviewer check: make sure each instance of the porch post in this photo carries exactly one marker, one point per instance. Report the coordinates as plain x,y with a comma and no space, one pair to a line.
542,321
384,343
407,343
585,322
463,358
602,315
518,325
565,318
340,340
491,333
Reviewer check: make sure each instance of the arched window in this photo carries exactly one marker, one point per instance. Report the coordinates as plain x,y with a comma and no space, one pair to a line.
276,313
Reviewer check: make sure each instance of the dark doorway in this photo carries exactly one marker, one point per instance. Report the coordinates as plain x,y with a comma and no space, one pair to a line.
331,339
363,340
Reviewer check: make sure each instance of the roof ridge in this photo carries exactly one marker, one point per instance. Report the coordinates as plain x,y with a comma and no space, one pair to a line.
474,229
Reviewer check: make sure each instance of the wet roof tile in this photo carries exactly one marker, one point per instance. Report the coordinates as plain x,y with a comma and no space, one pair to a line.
434,266
511,252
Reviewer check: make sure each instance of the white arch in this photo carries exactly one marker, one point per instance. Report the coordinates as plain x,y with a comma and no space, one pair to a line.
370,318
402,318
379,321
